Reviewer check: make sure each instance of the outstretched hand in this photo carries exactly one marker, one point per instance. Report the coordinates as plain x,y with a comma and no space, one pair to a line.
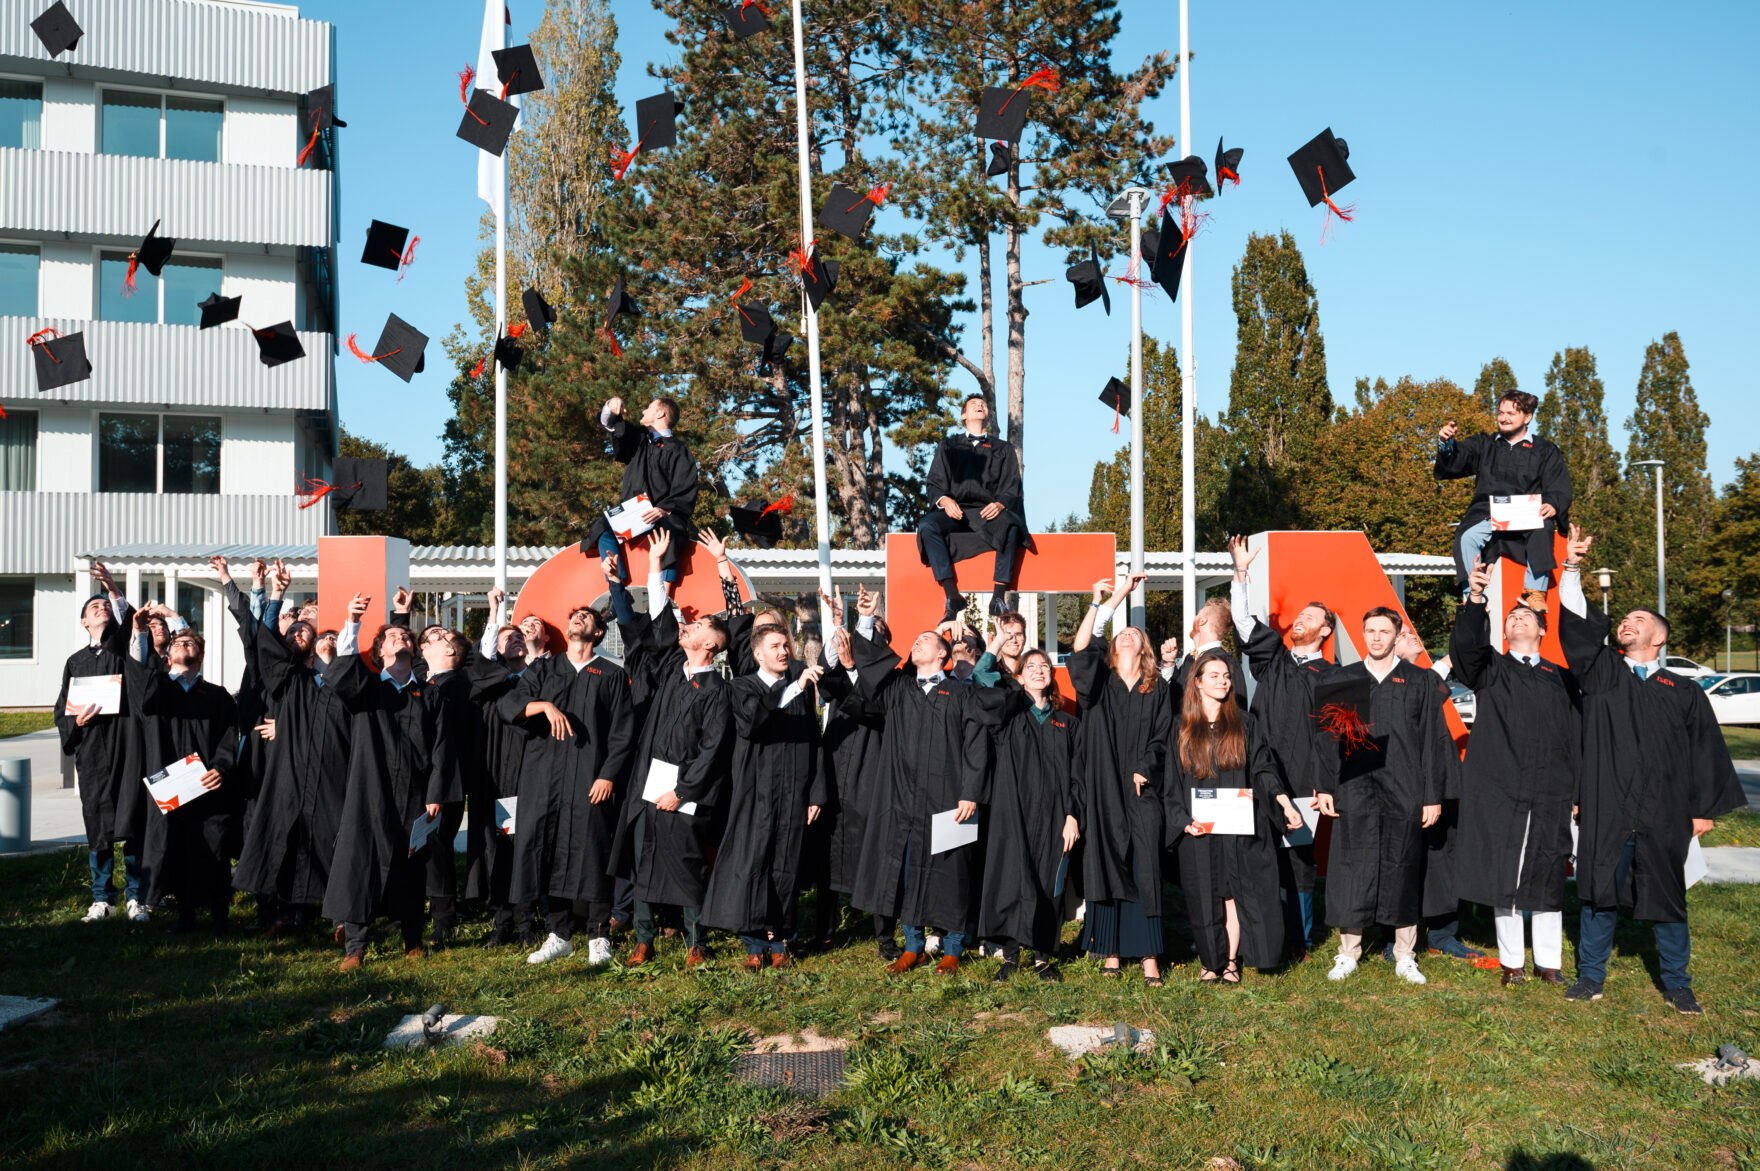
1577,545
1243,556
1478,581
1449,431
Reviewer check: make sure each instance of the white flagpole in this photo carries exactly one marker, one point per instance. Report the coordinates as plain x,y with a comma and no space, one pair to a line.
1188,371
821,510
501,387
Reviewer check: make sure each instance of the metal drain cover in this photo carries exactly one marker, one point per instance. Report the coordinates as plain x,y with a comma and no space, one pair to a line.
811,1074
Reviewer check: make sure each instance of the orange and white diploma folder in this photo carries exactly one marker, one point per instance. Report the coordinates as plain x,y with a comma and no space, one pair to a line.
1223,811
178,783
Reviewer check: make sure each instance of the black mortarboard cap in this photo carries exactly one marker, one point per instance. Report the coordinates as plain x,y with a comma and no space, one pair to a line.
846,212
401,349
61,361
517,69
618,303
155,250
57,29
538,312
1149,243
1170,256
1193,172
776,347
321,109
508,353
820,278
1324,155
755,323
1090,282
1117,395
1002,113
360,484
746,18
277,344
218,310
488,122
385,245
1228,165
756,525
1000,157
656,121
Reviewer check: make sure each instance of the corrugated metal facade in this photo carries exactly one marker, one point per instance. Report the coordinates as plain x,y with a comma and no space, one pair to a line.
45,531
171,366
96,195
251,48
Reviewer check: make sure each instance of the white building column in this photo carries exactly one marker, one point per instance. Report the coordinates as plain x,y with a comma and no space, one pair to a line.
132,590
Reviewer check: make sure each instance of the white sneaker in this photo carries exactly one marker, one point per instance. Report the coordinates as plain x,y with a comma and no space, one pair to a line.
139,912
554,948
98,911
1407,970
598,952
1341,967
931,945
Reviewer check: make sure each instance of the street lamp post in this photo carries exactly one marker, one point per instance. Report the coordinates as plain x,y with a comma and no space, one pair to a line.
1604,578
1729,597
1661,550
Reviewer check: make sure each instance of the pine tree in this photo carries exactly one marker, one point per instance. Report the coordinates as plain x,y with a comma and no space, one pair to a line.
1668,424
415,499
1573,415
1496,379
1732,552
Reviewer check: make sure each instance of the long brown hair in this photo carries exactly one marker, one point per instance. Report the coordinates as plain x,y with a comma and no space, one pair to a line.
1205,751
1149,673
1052,696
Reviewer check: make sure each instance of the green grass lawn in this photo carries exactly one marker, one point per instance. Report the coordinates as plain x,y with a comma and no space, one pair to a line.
1743,743
175,1051
18,723
1741,828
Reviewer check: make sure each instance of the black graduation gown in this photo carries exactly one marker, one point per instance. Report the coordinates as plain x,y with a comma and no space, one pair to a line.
974,475
1215,867
252,700
934,756
1375,867
304,780
1124,731
106,752
1519,779
1502,469
186,852
661,466
1441,899
853,754
777,773
399,761
561,840
1653,760
1036,782
688,723
1283,697
489,855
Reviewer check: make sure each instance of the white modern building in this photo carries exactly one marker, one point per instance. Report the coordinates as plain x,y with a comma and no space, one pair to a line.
188,112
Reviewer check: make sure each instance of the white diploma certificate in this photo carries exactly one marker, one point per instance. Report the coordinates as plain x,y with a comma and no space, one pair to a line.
1223,811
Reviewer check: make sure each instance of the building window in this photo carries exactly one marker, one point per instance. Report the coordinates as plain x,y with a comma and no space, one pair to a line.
177,454
18,279
170,298
18,452
21,113
160,126
17,616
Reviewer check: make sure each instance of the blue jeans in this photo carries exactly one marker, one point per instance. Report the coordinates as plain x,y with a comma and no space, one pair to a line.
757,945
1473,542
1595,939
608,544
916,939
103,864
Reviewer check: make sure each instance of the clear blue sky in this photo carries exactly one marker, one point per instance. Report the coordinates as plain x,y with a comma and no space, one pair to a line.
1530,177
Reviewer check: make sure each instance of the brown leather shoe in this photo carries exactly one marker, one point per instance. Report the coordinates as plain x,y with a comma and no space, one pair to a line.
1549,975
904,963
779,959
1513,976
948,966
414,953
640,954
695,958
354,961
754,963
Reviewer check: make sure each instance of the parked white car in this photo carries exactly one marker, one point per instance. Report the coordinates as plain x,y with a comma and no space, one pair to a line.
1735,699
1681,665
1466,704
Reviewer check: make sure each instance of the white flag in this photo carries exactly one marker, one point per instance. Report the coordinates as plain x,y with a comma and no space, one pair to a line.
490,169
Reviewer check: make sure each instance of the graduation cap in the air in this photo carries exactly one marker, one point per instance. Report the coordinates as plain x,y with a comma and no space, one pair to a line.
746,18
60,358
508,353
1190,176
358,485
1228,166
761,525
1341,710
538,311
1117,395
1090,282
517,69
848,213
1149,243
1170,255
1000,157
57,29
154,251
488,121
1322,168
819,276
1002,110
320,115
278,344
618,303
755,323
389,246
776,348
656,128
401,348
218,310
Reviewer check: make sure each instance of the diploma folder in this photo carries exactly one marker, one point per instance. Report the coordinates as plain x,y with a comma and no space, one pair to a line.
1223,811
421,829
947,834
506,809
626,519
103,690
663,779
177,784
1310,823
1516,513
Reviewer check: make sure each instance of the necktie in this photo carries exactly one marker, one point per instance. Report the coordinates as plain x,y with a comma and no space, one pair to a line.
1640,671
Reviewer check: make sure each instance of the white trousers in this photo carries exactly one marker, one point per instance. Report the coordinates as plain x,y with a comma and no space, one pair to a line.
1548,932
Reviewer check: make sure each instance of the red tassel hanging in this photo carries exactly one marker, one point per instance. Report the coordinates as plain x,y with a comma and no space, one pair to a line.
1115,418
2,412
1345,213
355,349
505,86
1045,79
317,125
314,491
517,331
464,92
477,370
800,260
41,338
616,350
786,504
409,256
134,262
875,196
745,4
1227,175
744,288
1345,726
620,160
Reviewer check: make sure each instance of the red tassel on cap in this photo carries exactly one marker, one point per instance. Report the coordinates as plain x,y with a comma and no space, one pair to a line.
1345,213
477,370
744,288
517,331
1045,79
41,338
616,350
800,260
409,256
134,262
1227,175
508,84
464,92
313,491
1345,726
317,125
620,160
875,196
786,504
366,357
2,412
745,4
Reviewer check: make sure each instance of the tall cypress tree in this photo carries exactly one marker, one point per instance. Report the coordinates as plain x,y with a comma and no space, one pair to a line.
1495,380
1667,424
1573,415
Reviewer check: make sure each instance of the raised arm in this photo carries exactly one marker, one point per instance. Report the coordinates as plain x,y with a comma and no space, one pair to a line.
1469,646
1455,458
